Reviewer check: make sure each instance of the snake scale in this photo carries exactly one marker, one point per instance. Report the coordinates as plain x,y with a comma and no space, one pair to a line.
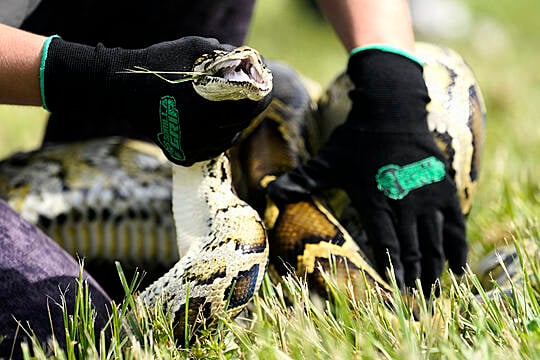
110,198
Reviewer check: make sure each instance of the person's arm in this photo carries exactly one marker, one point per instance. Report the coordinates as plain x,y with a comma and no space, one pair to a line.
66,77
20,57
363,22
386,129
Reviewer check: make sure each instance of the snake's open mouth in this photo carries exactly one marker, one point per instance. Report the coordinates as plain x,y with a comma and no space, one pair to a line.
238,74
240,71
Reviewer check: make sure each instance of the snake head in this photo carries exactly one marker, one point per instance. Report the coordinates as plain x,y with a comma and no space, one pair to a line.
232,75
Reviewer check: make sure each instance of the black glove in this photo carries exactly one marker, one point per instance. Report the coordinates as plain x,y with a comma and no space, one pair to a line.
187,127
386,159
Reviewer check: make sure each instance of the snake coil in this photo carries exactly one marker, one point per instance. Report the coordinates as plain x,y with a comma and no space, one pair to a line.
110,198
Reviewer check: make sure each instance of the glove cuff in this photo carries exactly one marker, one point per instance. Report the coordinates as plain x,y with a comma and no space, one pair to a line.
44,56
390,94
389,49
74,75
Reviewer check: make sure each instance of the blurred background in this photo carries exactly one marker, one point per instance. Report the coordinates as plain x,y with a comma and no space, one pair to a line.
500,40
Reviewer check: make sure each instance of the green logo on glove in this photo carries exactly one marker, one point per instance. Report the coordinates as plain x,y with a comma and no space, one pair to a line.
169,137
396,181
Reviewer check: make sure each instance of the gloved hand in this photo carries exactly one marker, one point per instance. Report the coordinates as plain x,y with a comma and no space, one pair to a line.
187,127
385,158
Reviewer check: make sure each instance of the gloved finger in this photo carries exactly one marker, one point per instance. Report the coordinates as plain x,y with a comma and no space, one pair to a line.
235,125
217,148
301,182
287,189
430,233
241,113
222,136
200,45
386,248
407,234
455,238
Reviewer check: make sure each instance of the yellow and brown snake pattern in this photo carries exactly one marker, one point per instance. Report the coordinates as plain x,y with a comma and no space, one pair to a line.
111,198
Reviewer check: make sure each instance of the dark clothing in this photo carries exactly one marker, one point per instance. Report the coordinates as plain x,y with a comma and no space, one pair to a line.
137,24
130,24
34,272
33,268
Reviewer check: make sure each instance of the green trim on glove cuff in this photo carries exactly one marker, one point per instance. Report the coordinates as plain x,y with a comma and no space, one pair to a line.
387,48
42,68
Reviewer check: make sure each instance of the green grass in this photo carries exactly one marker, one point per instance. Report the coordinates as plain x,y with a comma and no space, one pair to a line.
506,208
21,128
285,322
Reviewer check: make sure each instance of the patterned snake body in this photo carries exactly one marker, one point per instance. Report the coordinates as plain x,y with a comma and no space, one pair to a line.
106,198
456,113
303,235
110,198
222,241
222,244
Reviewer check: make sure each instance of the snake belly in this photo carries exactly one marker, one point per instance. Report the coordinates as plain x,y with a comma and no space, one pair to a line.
221,241
222,244
91,200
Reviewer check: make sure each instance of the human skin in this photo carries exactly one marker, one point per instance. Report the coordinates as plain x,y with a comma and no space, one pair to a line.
364,22
20,57
357,23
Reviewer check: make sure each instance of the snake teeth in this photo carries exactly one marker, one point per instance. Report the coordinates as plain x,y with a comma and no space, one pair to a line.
236,75
222,242
238,70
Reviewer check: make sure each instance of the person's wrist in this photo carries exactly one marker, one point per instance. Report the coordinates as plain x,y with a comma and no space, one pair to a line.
379,65
43,61
390,94
388,49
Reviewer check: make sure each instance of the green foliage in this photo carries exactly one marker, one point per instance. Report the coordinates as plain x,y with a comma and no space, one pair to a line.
466,322
287,321
21,128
